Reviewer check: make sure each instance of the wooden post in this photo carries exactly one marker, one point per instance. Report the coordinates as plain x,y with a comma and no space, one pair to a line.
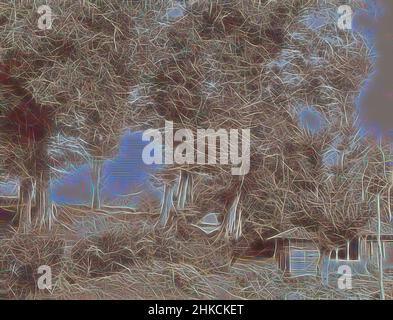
380,257
390,180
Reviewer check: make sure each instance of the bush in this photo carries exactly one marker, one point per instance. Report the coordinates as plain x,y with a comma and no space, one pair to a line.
20,257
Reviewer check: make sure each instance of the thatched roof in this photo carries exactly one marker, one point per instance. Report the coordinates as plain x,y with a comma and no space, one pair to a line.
372,228
299,233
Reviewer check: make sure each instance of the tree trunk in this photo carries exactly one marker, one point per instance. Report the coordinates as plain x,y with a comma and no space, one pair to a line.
24,207
184,189
322,269
234,226
43,203
166,205
96,171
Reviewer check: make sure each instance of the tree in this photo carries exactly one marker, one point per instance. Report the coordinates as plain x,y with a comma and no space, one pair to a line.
30,149
26,127
208,75
81,69
320,173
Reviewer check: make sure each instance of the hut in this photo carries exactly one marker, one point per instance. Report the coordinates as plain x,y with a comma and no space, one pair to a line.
361,252
369,245
296,252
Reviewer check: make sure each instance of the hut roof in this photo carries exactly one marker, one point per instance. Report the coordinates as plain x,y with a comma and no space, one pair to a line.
300,233
372,227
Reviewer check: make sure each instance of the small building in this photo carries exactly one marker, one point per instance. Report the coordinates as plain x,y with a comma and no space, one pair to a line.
296,252
369,245
361,252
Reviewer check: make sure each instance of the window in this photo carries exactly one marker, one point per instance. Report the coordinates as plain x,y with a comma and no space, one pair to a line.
370,248
304,262
354,249
350,251
342,253
388,251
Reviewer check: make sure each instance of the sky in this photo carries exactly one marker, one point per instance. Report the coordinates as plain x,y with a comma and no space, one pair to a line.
375,103
124,177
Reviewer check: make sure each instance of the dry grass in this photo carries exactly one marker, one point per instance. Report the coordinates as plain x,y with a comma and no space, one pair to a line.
135,263
22,255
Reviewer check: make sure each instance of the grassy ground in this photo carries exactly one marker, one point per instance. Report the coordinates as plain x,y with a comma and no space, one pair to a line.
94,255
